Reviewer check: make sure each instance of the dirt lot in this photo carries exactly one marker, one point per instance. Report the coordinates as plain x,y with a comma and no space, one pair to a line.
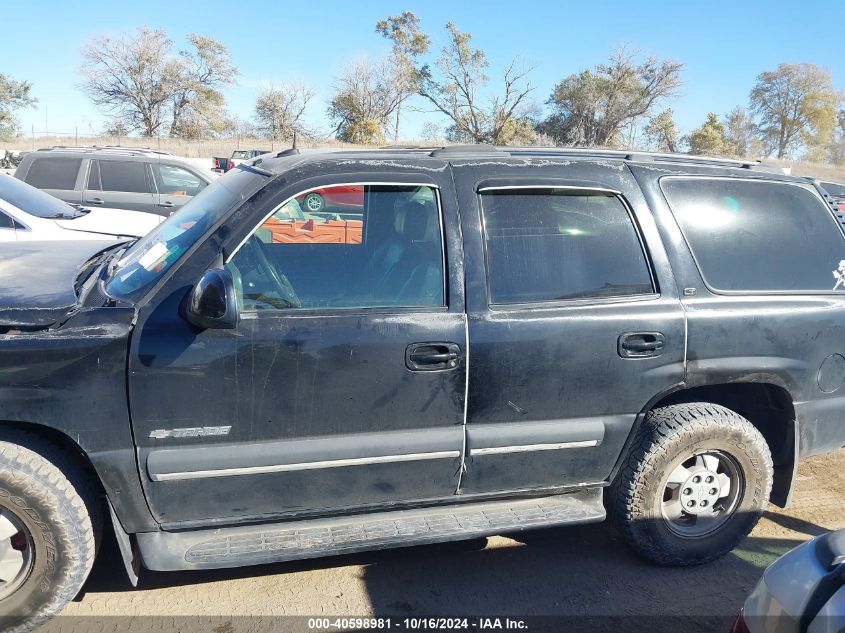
585,576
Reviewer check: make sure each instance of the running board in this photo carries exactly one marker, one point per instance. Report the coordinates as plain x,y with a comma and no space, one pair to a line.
312,538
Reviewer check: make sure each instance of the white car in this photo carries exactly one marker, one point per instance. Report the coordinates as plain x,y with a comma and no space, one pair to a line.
27,213
801,592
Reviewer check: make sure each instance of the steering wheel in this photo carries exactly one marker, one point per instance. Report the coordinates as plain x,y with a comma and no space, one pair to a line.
268,271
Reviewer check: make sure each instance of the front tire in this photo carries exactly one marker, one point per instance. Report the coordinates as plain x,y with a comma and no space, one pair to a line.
49,525
695,483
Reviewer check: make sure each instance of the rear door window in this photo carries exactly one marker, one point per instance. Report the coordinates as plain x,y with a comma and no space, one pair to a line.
124,176
559,244
755,235
53,173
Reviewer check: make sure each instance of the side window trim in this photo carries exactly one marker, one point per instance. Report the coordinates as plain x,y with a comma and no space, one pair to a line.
483,187
93,168
733,293
327,311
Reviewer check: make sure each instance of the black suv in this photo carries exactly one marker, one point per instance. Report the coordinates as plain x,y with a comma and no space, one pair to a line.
487,340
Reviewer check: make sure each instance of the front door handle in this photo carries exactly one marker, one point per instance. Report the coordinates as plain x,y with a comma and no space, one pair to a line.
166,205
432,356
641,344
94,201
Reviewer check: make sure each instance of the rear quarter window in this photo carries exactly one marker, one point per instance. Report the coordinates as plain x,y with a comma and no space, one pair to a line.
53,173
753,235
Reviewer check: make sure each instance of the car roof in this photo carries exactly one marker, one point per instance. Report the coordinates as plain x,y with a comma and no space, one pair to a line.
107,150
286,159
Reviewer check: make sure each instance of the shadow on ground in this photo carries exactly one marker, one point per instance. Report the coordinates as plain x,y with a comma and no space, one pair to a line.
585,574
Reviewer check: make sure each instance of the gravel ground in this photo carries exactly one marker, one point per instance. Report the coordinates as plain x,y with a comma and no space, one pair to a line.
584,576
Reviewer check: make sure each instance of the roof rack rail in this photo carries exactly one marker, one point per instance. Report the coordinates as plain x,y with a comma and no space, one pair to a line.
100,148
632,155
479,149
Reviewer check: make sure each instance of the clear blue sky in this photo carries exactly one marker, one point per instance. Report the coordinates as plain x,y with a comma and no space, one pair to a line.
724,45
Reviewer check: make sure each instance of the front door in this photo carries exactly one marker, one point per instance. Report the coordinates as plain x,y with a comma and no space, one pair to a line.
343,385
176,185
574,324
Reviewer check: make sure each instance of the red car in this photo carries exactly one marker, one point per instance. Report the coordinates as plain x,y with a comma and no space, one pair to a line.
337,196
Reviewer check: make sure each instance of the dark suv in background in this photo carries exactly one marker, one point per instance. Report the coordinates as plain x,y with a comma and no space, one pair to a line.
493,340
116,177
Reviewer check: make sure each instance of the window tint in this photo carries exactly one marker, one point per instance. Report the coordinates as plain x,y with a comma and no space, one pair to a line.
547,245
125,176
176,181
369,246
53,173
6,222
748,235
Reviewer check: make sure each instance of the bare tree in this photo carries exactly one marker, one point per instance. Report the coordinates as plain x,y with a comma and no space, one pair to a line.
364,101
197,103
408,44
592,107
456,85
13,96
131,78
795,105
137,81
741,133
279,111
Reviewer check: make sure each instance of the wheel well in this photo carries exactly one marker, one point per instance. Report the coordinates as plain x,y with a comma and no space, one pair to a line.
768,407
76,456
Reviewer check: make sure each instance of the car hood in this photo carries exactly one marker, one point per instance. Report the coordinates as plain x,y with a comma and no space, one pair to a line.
36,280
117,222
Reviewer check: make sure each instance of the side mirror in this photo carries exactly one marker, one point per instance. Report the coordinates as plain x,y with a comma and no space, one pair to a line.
212,303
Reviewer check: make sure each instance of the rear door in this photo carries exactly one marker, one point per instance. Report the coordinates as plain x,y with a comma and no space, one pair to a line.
574,321
120,184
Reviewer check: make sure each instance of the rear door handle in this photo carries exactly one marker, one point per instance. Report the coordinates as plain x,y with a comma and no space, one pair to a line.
641,344
432,356
167,205
94,201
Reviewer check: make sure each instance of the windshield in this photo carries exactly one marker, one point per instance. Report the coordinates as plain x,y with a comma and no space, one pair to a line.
155,253
34,201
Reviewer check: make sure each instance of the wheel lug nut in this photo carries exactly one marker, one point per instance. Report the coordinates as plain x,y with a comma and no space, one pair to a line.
691,504
696,479
709,479
703,504
713,491
687,491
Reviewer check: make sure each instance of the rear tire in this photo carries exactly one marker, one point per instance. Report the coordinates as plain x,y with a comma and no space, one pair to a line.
57,515
695,483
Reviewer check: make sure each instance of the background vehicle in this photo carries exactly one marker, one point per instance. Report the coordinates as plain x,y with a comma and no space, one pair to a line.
26,213
223,164
344,200
116,177
503,340
801,592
